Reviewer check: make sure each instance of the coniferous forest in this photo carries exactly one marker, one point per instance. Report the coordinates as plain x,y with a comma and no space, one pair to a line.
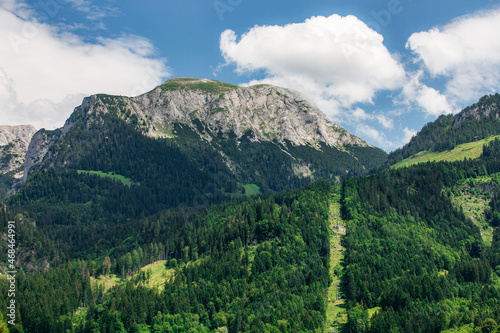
414,255
252,265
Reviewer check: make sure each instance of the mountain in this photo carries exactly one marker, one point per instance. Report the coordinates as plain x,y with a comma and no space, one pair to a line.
229,119
476,122
187,143
14,141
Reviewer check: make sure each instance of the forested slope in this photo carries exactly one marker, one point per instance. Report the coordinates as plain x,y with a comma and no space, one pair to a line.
253,265
412,253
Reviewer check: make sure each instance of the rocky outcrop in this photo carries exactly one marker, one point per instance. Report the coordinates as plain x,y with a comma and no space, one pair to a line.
21,133
271,113
484,108
14,141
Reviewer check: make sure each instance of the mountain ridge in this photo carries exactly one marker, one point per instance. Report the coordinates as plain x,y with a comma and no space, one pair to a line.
231,108
476,122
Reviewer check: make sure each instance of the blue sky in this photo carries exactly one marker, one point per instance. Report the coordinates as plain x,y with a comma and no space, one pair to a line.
381,69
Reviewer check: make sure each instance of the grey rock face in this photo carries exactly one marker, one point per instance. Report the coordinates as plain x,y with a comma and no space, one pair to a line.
21,133
476,113
14,141
272,113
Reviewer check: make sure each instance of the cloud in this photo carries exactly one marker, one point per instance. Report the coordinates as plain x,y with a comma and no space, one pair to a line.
465,52
92,11
407,135
44,72
373,135
337,61
428,99
359,114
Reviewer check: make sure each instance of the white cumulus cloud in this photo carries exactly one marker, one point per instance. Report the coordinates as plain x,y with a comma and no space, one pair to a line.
44,72
428,99
336,61
465,52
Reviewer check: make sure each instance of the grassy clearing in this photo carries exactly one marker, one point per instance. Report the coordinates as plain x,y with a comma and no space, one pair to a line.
247,191
212,86
336,314
157,274
473,196
251,189
105,281
471,150
123,179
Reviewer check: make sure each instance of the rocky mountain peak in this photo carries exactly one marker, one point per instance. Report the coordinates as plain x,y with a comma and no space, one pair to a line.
21,133
487,106
268,112
224,119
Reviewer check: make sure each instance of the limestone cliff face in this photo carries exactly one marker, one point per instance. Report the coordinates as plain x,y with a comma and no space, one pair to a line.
14,141
271,113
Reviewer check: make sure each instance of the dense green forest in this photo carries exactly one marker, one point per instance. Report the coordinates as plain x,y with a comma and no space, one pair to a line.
410,252
252,265
448,131
80,201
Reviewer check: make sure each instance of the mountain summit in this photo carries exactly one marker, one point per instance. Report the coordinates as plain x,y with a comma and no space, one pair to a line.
220,115
270,113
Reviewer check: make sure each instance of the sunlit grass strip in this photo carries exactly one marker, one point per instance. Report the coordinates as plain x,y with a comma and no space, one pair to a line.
471,150
336,313
124,180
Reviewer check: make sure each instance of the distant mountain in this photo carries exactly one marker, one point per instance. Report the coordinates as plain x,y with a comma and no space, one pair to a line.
14,141
188,142
474,123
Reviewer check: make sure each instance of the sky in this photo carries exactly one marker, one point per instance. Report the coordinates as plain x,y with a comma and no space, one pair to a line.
379,68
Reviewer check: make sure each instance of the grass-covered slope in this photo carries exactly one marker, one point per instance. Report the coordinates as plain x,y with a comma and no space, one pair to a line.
471,150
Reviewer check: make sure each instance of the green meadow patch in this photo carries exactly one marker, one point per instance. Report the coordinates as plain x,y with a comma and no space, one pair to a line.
120,178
